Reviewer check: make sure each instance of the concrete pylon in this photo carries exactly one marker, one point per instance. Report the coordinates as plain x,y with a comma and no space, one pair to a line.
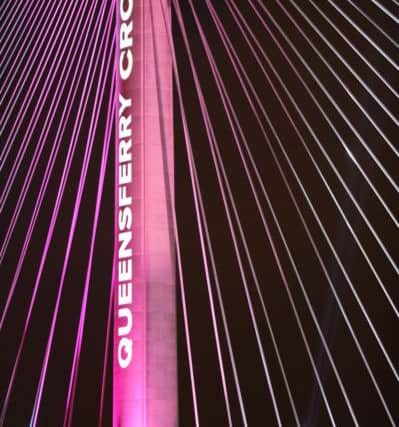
145,350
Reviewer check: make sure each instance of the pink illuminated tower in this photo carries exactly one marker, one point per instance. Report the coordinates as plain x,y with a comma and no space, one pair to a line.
144,359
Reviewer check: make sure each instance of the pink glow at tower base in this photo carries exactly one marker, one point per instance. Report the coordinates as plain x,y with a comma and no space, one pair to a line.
145,359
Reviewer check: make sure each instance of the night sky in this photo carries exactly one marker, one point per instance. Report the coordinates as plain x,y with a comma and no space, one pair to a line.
327,144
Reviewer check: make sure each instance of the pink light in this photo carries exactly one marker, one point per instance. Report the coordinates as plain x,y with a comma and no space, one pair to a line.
145,372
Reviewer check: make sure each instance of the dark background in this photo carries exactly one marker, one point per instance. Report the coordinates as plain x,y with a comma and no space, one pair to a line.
256,397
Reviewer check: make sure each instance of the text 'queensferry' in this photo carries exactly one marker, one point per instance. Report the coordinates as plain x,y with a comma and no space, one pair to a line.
124,220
